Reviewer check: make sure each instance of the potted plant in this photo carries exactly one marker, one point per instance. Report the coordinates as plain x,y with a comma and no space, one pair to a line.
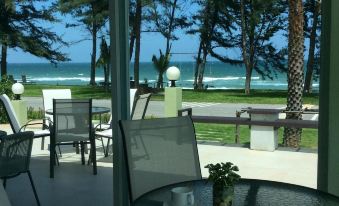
223,177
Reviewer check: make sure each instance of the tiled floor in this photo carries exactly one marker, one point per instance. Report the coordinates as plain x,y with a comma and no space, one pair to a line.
74,183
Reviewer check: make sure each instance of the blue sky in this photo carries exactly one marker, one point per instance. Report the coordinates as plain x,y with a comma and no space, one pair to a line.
150,44
80,52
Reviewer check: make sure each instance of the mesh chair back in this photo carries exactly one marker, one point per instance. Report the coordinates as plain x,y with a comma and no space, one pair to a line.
72,120
159,152
11,115
49,94
140,106
15,153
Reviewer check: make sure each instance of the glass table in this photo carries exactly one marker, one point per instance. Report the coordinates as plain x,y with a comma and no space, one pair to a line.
95,110
248,192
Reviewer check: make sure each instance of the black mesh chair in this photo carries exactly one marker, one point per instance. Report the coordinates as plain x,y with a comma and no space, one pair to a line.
15,155
169,155
72,122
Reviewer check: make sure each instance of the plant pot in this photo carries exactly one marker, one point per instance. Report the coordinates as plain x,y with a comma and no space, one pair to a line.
223,197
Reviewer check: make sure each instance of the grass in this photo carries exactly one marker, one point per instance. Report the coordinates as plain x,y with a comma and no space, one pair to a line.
94,92
220,96
226,134
213,132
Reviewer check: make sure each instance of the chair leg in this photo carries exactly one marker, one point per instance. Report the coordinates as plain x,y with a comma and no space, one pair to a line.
4,181
93,156
59,150
56,160
107,147
82,147
51,160
103,145
33,187
42,143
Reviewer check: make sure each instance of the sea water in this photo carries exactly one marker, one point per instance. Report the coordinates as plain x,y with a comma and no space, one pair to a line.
217,75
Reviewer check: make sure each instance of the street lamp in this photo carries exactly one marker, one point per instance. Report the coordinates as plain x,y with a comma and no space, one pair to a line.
173,74
17,89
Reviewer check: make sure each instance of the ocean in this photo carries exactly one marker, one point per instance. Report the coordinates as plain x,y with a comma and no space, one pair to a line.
217,75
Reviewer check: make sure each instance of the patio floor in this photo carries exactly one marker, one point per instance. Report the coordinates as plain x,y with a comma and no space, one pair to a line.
74,184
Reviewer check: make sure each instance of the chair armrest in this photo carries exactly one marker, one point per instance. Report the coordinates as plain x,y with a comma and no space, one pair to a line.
102,124
44,125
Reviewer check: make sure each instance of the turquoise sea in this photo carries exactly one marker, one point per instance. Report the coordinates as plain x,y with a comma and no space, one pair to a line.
217,75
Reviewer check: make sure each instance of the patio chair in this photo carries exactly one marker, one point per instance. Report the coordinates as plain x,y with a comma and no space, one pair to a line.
138,112
105,126
72,122
47,96
171,156
15,154
14,122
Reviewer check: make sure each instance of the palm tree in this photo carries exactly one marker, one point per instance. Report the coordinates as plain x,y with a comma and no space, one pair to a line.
161,64
292,136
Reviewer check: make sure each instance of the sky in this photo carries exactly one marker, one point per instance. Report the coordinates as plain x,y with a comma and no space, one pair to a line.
150,45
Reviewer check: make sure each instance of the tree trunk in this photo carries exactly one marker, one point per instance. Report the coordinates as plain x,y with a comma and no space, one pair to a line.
160,80
3,60
131,44
244,49
292,136
313,36
198,63
94,53
202,71
137,43
248,80
170,28
106,73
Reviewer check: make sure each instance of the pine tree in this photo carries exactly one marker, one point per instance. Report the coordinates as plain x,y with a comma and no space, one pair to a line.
91,14
165,17
21,26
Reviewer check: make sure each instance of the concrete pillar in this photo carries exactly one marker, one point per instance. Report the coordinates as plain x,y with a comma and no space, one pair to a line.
264,137
173,101
328,159
20,108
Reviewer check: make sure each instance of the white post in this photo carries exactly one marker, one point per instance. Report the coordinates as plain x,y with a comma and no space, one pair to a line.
173,101
173,95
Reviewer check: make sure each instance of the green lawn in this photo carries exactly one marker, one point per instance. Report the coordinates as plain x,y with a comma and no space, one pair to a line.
220,96
213,132
226,134
77,91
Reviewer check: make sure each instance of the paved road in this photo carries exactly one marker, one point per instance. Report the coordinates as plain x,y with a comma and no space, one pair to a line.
156,108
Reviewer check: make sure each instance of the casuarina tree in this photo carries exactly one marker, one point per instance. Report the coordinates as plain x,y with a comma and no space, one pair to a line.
92,15
22,26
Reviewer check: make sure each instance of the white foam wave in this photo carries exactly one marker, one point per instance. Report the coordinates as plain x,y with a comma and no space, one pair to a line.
58,79
229,78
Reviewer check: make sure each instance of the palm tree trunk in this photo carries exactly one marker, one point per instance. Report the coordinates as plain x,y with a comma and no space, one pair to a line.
310,63
160,80
292,136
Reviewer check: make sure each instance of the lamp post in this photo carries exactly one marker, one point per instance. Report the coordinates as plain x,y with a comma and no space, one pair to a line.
173,94
173,74
19,106
18,89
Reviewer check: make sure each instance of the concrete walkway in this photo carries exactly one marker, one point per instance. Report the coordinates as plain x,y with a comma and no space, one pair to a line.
156,108
283,166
